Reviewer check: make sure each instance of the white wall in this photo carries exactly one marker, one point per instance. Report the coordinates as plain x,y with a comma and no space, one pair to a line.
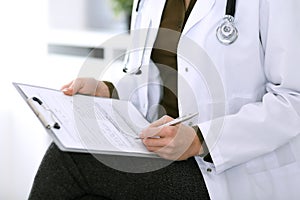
23,58
84,14
22,54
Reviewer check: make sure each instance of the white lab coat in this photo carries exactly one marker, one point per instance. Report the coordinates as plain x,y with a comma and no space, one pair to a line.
247,94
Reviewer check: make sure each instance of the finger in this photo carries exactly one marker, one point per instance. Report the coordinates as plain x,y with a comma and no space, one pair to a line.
154,149
150,132
66,89
159,132
164,153
74,87
156,142
66,85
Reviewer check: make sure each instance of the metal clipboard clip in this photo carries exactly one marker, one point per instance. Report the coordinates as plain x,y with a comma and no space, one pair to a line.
46,115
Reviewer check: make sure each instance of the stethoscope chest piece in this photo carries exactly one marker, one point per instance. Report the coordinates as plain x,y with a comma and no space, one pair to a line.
227,33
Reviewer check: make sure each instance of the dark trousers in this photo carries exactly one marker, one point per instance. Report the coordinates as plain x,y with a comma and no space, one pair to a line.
82,176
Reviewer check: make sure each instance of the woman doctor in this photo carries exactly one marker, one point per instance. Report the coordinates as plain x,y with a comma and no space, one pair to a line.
247,96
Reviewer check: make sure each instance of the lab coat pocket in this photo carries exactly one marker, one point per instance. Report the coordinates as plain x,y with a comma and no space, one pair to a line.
277,184
275,175
278,158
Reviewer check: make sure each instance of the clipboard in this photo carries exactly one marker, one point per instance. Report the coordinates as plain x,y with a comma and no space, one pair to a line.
87,124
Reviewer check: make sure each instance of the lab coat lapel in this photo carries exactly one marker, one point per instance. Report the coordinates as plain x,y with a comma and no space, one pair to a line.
157,8
200,10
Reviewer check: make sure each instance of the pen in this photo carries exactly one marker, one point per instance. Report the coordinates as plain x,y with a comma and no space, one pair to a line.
41,115
179,120
176,121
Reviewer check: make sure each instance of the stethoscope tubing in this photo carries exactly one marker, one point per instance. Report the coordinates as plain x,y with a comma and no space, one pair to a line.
229,16
230,7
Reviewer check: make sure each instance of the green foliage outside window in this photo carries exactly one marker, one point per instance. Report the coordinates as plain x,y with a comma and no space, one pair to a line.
122,6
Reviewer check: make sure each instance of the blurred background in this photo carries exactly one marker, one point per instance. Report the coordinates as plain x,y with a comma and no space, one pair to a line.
45,42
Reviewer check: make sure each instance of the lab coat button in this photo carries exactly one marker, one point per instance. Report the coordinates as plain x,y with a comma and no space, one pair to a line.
209,170
190,123
186,69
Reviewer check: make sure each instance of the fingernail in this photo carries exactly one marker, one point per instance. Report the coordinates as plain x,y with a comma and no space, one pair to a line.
68,91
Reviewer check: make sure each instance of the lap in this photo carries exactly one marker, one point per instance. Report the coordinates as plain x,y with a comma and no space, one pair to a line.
89,176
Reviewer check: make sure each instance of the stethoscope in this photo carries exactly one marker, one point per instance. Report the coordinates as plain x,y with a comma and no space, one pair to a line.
226,33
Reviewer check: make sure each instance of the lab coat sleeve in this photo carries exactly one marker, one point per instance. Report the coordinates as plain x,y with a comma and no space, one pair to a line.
261,127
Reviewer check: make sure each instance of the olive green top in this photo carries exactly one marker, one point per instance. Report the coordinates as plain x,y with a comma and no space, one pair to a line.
164,51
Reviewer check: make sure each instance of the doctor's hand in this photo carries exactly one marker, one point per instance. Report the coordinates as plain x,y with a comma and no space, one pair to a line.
177,142
87,86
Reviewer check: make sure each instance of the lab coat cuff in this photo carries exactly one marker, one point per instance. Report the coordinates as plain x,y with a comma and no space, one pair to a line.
213,154
206,155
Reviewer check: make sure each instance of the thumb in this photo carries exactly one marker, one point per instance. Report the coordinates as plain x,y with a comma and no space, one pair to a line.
72,88
68,91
